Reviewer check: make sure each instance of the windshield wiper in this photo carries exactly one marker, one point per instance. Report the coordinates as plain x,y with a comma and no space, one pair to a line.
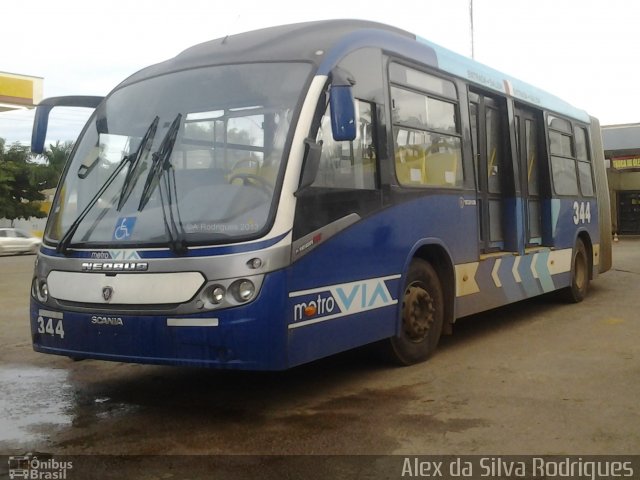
161,163
63,244
134,172
176,241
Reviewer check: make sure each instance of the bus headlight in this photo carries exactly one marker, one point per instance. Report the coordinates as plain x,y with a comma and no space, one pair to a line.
40,290
216,294
229,293
243,290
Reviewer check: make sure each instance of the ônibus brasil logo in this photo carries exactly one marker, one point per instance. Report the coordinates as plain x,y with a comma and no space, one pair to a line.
325,303
44,468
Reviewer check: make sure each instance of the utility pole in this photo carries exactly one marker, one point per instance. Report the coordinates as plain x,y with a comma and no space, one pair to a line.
473,53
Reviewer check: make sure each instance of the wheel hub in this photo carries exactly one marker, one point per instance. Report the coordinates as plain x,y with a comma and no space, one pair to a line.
418,312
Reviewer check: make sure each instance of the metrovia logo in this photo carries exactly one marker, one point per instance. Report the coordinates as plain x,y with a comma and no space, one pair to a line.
325,303
115,255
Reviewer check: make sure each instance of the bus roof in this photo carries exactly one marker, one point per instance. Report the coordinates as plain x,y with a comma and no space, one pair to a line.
488,77
325,42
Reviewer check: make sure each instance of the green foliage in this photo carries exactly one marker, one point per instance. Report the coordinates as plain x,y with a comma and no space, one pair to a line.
22,178
57,156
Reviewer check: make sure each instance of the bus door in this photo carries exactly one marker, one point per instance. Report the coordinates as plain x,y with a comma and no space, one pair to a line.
489,149
527,125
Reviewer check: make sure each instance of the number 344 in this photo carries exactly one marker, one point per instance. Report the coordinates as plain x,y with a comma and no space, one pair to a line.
581,212
47,326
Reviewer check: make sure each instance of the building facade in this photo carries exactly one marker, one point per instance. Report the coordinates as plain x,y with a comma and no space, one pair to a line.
622,151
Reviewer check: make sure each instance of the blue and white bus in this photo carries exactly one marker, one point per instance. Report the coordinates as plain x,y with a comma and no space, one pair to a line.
270,198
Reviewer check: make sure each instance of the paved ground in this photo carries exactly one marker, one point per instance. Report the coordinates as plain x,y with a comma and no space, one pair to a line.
539,377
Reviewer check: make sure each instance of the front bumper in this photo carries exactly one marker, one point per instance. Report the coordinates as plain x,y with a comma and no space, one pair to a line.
248,337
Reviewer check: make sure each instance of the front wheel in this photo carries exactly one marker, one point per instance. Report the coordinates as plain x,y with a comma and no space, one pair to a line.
421,316
579,274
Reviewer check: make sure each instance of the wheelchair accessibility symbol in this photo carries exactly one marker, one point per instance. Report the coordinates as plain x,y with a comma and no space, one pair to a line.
124,228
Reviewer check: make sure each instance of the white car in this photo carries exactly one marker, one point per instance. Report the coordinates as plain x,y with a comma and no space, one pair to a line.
14,240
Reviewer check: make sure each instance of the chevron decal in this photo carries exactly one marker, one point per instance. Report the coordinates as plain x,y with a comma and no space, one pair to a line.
504,278
544,276
494,273
466,283
515,271
513,276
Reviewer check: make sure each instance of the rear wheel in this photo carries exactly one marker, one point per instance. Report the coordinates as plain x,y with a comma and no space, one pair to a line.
579,274
421,315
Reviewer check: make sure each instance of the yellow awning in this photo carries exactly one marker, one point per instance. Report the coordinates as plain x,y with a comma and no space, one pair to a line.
19,91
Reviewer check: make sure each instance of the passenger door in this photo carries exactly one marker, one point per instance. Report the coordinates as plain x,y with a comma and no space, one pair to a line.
489,149
528,128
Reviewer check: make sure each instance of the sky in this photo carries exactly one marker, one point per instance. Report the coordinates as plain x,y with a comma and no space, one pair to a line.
584,51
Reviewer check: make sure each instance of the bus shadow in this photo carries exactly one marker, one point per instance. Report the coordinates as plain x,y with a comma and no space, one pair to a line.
331,393
160,385
475,327
208,411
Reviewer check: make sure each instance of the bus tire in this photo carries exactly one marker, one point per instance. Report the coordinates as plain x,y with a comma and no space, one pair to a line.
579,274
421,316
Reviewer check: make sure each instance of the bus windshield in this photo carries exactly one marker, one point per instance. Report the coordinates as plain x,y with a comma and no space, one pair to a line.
203,149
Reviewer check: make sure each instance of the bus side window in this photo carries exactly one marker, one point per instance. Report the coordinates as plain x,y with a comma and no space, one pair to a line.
428,150
584,162
348,165
563,164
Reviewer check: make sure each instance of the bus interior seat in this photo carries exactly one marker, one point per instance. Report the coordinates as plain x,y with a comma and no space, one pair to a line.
410,169
253,167
441,168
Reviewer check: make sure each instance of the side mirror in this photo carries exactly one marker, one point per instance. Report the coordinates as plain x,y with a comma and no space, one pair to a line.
40,125
342,107
41,120
310,164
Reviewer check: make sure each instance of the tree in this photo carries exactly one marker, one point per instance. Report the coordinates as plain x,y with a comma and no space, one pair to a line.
20,183
57,155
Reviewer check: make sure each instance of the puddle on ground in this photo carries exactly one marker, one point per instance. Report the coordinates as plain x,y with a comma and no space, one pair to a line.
32,401
36,402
